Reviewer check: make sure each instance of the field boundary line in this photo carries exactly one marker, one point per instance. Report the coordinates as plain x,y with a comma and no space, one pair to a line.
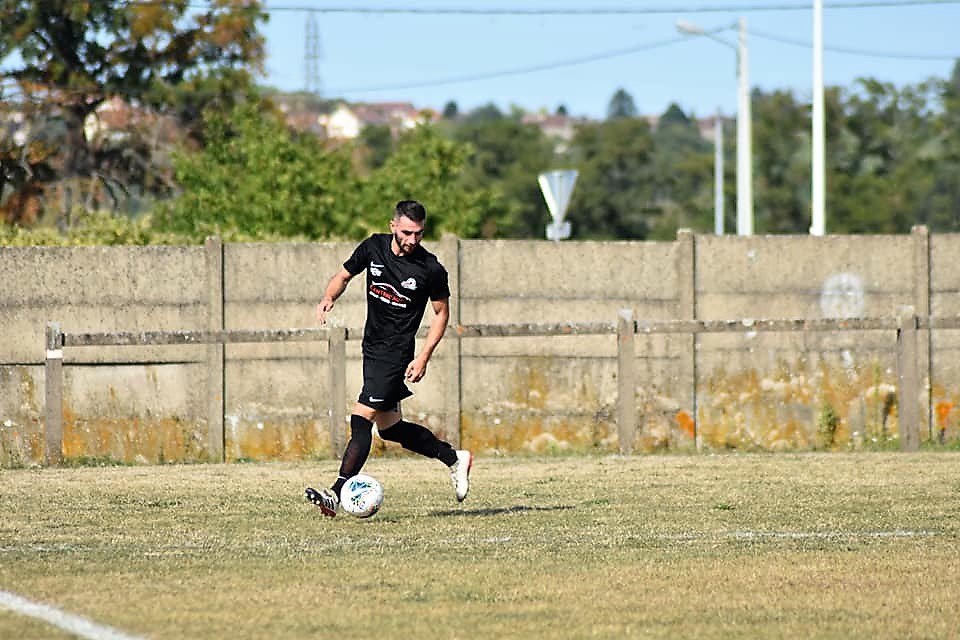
68,622
797,535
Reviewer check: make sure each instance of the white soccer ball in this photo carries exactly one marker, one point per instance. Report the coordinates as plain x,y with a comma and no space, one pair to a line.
361,496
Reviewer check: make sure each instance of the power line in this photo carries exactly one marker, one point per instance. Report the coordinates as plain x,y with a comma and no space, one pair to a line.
856,52
513,72
601,11
547,66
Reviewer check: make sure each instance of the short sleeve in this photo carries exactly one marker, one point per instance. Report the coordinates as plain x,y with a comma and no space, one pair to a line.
439,283
359,259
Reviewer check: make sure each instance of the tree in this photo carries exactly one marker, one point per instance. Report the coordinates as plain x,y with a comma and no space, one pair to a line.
781,162
508,155
451,111
73,56
682,175
487,112
257,179
621,106
377,141
430,168
614,195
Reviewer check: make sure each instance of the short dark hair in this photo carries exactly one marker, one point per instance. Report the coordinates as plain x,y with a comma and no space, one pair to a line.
410,209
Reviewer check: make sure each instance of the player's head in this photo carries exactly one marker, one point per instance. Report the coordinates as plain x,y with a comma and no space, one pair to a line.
409,218
410,209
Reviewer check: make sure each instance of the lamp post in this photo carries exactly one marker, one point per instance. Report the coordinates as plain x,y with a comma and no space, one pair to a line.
744,153
817,172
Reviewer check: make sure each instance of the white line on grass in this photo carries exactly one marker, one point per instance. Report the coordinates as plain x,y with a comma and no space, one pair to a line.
798,535
61,619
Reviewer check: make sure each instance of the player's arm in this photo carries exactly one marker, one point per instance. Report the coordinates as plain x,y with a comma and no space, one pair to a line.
438,326
335,288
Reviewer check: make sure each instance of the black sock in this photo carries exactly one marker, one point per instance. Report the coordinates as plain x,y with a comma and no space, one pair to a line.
355,455
420,440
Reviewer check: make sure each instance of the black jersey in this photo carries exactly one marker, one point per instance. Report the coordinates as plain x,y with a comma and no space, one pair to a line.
398,288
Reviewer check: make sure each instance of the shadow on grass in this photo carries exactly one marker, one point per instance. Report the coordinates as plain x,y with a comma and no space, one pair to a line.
498,511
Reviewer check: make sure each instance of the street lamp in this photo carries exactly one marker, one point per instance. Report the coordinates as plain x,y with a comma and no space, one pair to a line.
744,162
817,172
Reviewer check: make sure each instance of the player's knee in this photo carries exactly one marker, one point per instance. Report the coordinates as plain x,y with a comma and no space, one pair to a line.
361,428
397,432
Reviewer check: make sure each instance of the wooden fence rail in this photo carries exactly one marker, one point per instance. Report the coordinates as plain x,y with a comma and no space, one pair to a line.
906,324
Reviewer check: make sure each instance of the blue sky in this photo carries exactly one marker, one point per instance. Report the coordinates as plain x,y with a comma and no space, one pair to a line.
583,58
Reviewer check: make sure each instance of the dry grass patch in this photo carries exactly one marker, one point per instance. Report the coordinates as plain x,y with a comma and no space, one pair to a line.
815,545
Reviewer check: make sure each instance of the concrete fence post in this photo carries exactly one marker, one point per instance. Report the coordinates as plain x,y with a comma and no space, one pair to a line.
626,381
337,383
53,397
452,345
216,404
908,380
687,310
921,302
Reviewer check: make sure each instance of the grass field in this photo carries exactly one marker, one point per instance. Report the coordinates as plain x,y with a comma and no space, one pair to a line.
863,545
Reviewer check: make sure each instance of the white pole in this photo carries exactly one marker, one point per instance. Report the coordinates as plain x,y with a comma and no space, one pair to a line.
744,162
718,174
817,190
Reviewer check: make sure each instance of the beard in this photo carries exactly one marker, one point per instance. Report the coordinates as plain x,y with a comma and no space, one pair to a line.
404,249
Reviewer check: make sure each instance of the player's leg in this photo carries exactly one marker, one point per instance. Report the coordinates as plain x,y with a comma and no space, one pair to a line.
358,447
354,457
417,438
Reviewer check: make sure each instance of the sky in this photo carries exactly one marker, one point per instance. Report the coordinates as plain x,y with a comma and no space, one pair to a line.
529,54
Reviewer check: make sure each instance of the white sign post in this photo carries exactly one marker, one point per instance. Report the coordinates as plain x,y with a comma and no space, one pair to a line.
557,186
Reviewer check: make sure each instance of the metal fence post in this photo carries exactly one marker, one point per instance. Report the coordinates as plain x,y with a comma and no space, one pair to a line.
908,378
626,381
53,397
337,381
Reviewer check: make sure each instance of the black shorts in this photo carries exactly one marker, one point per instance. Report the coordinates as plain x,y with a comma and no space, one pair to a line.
383,385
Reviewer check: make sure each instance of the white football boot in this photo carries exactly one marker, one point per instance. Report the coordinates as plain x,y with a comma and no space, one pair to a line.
460,474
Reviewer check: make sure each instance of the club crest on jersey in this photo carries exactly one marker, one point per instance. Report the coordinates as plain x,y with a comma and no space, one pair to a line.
409,283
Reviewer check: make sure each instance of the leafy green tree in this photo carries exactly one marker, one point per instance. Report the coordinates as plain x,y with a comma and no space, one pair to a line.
255,177
377,142
682,175
485,113
73,56
614,196
507,156
621,105
781,163
940,159
429,167
451,111
880,185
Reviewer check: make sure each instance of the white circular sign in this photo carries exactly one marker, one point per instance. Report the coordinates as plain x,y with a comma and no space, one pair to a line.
842,296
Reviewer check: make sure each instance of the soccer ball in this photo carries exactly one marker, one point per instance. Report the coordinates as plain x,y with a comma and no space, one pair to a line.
361,496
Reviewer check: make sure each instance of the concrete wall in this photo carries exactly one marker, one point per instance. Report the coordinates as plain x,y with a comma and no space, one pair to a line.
743,390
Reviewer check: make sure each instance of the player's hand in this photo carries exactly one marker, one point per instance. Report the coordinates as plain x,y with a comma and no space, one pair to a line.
323,307
415,371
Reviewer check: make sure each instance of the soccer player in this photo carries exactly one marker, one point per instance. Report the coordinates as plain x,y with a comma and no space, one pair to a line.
401,277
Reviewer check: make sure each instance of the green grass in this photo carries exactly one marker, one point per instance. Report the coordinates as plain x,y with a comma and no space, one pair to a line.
859,545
